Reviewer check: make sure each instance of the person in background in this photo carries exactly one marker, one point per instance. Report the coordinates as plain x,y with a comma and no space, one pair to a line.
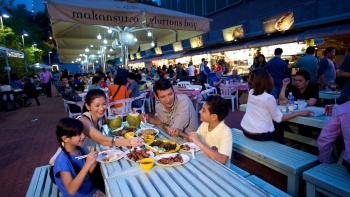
326,71
77,85
184,76
309,63
117,91
190,71
30,90
279,70
204,72
70,80
103,83
216,81
337,125
109,78
344,73
56,79
213,136
46,78
138,79
133,90
262,110
7,96
179,70
234,77
96,83
170,72
219,67
16,83
174,112
302,89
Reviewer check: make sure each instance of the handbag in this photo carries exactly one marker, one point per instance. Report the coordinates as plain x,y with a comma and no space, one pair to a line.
112,99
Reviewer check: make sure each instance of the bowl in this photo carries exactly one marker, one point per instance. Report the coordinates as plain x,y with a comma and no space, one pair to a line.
149,138
147,163
128,135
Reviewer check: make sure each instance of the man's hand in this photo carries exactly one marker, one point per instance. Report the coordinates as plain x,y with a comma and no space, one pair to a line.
172,131
145,118
286,81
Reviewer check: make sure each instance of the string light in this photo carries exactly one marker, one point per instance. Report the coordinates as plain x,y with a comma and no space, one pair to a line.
109,30
105,41
149,34
99,36
87,49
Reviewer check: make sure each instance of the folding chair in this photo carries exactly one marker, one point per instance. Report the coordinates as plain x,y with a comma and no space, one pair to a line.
125,108
74,110
184,83
204,93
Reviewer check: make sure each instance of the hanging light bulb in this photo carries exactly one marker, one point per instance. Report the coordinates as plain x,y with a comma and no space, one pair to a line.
87,49
104,48
152,44
109,30
135,39
96,61
149,34
108,55
105,41
91,45
110,49
98,52
99,36
72,61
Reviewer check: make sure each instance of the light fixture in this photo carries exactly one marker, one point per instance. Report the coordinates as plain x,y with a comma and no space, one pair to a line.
99,55
109,30
96,61
110,49
72,61
98,52
105,41
104,48
80,54
135,39
149,34
91,45
152,44
108,55
87,50
99,36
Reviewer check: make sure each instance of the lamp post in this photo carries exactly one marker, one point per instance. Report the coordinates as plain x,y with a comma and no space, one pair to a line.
24,33
5,14
49,57
34,44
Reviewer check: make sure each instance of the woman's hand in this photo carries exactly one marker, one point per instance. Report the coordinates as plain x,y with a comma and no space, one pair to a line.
305,113
286,81
91,158
136,142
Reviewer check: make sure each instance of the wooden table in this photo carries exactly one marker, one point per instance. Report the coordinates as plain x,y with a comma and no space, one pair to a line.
317,122
199,177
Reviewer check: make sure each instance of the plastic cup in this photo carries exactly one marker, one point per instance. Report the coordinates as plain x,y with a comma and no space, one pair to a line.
149,138
147,163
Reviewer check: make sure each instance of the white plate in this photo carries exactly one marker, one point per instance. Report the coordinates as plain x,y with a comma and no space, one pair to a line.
192,146
317,111
151,155
140,130
115,155
185,159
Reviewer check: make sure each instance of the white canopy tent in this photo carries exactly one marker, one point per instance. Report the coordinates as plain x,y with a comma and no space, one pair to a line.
76,24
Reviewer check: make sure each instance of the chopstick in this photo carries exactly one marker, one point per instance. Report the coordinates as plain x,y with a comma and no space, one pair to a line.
84,156
152,147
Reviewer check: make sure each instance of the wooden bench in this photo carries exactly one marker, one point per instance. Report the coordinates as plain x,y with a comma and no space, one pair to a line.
329,179
267,187
284,159
41,184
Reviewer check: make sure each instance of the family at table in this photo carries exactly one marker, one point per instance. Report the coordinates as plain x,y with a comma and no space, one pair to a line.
175,115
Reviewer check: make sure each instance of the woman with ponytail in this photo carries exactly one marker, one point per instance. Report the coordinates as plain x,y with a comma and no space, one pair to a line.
72,175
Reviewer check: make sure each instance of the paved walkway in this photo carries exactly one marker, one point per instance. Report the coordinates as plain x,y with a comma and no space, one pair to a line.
28,141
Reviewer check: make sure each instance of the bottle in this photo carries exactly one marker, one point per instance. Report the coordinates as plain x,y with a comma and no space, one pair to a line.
290,102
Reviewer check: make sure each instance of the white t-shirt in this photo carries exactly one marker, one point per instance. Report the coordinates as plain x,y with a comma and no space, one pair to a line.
261,110
191,70
220,137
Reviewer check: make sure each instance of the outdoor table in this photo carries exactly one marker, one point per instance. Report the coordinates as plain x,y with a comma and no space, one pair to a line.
312,121
17,90
240,86
201,176
327,94
191,93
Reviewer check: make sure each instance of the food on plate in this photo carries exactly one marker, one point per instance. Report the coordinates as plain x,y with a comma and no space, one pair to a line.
185,147
285,22
123,131
114,122
171,160
104,153
108,157
145,132
168,146
149,138
137,154
134,119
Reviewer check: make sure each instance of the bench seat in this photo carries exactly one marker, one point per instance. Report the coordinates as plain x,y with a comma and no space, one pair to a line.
284,159
329,179
41,184
239,171
267,187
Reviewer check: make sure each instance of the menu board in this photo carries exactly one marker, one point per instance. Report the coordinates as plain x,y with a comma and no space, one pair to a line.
196,42
138,56
158,50
281,22
288,49
177,46
233,32
132,56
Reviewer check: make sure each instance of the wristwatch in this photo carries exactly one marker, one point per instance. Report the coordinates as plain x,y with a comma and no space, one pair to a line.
113,141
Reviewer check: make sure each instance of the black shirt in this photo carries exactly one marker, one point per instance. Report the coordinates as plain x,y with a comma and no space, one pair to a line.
311,91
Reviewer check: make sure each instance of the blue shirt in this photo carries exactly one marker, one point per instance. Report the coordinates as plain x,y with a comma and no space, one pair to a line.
345,92
238,78
278,69
203,76
16,84
63,164
214,79
310,64
326,69
76,82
